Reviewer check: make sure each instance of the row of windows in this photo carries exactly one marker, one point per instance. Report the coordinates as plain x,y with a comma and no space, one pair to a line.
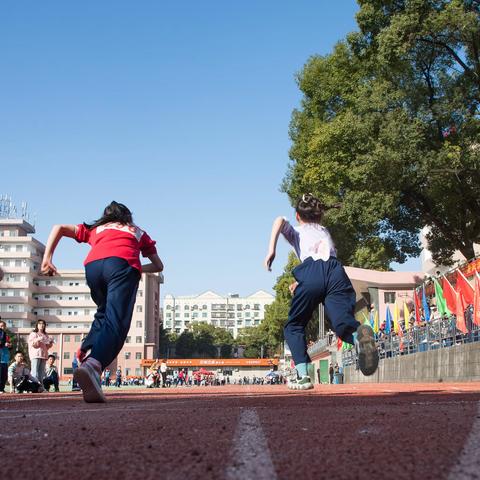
47,296
217,306
13,293
231,323
138,355
213,315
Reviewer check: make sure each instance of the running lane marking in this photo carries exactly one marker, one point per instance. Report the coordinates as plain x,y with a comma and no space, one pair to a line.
250,456
468,463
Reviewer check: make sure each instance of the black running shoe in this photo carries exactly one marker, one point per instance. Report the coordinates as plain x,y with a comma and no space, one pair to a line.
366,350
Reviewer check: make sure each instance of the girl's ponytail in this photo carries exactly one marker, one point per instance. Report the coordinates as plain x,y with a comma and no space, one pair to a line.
310,209
114,213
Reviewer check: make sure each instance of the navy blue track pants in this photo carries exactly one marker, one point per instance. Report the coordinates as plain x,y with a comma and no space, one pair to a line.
320,282
113,284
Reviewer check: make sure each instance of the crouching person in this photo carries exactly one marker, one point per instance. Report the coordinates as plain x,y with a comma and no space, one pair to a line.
20,378
51,374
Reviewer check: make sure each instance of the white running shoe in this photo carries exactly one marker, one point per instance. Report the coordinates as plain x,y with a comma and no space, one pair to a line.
88,377
304,383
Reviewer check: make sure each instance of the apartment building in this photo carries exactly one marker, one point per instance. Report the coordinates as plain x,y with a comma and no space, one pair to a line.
64,302
231,312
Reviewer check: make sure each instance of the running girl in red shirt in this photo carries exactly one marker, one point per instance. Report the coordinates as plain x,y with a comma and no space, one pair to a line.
113,270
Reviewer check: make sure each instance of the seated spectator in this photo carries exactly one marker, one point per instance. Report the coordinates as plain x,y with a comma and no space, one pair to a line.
51,375
20,378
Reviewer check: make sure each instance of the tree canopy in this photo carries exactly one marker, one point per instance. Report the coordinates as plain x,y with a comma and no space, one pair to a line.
388,126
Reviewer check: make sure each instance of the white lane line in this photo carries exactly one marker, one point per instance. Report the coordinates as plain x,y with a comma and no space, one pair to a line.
250,456
468,463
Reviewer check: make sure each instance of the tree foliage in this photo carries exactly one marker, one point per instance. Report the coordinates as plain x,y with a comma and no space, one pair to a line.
388,126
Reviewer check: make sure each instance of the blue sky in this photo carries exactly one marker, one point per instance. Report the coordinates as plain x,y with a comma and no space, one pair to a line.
178,110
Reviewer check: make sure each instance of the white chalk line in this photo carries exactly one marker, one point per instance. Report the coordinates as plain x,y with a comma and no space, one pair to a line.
250,456
468,463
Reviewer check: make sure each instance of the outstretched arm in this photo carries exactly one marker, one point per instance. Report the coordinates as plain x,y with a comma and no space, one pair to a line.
155,266
58,231
272,247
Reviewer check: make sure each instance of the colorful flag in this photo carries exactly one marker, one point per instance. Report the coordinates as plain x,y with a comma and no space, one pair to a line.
449,294
396,318
476,301
366,321
426,308
417,306
440,299
376,327
460,313
406,316
463,286
339,343
388,321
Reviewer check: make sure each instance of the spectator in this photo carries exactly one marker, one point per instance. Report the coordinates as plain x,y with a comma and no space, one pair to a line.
163,372
38,345
4,355
107,374
118,377
51,375
330,373
20,378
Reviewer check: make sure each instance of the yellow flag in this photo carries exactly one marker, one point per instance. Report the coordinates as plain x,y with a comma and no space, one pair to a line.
396,318
406,315
376,328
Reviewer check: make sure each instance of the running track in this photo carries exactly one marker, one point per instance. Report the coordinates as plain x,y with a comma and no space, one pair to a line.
240,432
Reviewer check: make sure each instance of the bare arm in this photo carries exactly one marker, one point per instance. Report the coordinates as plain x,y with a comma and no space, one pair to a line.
58,231
155,266
272,246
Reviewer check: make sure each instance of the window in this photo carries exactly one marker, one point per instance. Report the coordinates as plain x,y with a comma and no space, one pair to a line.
389,297
186,315
68,371
18,263
66,338
58,311
186,307
139,308
138,355
127,355
247,307
66,355
86,311
256,306
138,372
46,311
138,339
19,248
128,339
247,314
140,293
127,372
239,307
177,315
204,314
204,307
78,338
169,307
139,324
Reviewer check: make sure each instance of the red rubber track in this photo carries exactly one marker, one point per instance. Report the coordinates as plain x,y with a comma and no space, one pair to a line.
335,432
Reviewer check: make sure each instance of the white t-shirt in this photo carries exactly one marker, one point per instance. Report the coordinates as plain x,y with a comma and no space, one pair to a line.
309,240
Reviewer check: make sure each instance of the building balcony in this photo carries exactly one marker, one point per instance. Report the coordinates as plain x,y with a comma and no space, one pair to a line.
61,289
15,300
52,303
23,269
22,285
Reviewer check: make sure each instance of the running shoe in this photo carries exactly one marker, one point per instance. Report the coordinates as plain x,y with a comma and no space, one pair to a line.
366,350
304,383
88,378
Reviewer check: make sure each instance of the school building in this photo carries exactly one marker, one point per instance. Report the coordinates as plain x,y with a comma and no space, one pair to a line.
64,302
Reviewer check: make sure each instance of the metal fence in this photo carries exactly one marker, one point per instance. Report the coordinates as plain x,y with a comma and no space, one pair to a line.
439,333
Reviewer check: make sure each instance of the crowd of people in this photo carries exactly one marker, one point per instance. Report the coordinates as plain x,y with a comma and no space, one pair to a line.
42,374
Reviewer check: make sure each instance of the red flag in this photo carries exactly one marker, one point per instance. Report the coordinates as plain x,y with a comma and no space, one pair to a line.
400,335
418,306
463,286
460,313
339,343
476,301
449,294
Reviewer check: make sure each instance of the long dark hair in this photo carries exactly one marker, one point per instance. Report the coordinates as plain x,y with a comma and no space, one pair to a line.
310,209
36,326
115,212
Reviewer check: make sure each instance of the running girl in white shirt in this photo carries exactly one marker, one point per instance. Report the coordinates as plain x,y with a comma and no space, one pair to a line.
320,278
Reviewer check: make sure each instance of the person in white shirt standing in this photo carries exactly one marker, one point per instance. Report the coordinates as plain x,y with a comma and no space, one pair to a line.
320,278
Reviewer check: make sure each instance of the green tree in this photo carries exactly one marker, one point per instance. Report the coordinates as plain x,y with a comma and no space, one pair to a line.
185,346
203,335
388,127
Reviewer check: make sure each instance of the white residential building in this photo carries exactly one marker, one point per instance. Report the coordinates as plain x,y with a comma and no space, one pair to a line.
231,312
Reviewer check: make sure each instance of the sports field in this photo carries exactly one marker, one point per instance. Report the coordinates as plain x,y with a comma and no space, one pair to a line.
241,432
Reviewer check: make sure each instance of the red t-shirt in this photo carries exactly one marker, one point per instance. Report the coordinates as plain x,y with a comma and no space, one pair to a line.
116,240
